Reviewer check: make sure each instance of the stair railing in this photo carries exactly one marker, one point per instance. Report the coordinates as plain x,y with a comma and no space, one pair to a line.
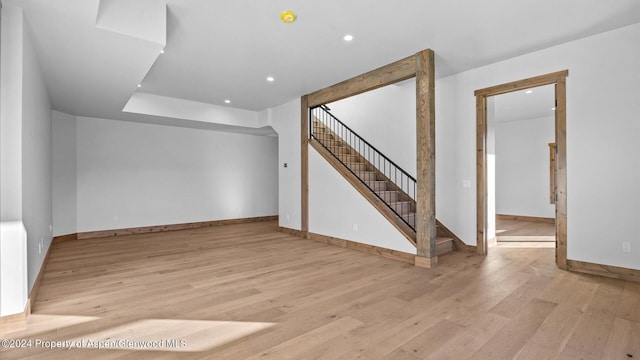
339,135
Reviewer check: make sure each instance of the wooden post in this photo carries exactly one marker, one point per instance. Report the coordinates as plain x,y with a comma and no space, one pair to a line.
552,173
304,165
481,170
426,151
561,173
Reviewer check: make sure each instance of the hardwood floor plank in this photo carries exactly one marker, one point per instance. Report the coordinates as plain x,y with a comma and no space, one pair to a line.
585,342
249,291
427,341
624,340
629,308
510,339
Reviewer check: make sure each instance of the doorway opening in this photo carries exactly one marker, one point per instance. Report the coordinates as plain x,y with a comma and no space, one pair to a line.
520,198
559,192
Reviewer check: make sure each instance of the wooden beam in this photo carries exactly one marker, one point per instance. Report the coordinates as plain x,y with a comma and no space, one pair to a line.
304,164
541,80
560,180
481,171
383,76
426,156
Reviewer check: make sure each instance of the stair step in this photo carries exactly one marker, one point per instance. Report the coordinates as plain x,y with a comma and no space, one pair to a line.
349,158
444,245
323,137
411,219
377,185
389,196
367,175
401,207
339,149
357,166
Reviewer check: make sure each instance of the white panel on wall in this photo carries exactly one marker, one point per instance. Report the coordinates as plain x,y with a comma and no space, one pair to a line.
133,175
337,209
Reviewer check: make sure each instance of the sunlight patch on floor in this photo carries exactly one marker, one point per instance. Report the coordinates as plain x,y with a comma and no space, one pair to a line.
169,335
42,323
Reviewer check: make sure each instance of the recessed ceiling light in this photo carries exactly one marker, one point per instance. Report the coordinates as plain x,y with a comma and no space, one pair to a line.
162,51
553,108
227,101
348,37
528,91
139,85
270,79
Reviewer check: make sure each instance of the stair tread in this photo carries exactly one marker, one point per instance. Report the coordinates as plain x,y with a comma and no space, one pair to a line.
443,239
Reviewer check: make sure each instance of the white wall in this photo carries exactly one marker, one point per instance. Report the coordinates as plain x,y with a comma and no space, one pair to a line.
522,167
64,199
285,120
133,175
13,240
337,209
36,160
386,118
11,114
25,121
603,138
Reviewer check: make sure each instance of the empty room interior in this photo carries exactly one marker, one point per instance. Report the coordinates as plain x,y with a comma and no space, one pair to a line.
319,180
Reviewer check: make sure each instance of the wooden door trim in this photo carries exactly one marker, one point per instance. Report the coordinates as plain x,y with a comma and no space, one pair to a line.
304,164
559,80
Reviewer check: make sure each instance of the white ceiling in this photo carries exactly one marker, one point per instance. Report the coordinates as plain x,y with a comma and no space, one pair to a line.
93,58
524,104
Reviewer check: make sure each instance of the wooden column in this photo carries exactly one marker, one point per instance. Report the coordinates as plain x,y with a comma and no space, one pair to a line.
561,173
426,151
481,177
552,173
304,165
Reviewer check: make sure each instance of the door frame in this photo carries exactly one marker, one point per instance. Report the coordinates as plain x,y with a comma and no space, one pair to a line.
559,79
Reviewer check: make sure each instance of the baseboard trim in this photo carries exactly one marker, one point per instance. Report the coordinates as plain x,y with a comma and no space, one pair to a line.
365,248
172,227
36,284
604,270
526,218
294,232
61,238
425,262
457,242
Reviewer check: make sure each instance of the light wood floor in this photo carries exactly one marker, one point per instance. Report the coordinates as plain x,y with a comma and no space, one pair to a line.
522,233
249,292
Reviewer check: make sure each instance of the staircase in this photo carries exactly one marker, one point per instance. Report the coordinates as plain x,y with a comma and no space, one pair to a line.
383,179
